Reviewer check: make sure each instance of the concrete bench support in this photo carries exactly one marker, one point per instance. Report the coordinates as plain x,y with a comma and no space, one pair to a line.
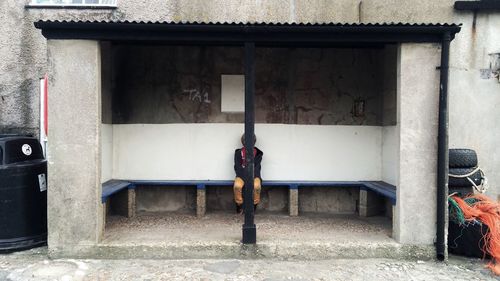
370,203
103,222
201,201
131,205
293,203
123,203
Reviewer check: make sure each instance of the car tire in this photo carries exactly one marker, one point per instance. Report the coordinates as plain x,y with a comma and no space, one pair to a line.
462,158
464,182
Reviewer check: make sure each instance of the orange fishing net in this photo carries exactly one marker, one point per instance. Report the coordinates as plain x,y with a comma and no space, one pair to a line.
487,212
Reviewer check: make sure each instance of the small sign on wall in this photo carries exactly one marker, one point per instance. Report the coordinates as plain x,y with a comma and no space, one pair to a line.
232,93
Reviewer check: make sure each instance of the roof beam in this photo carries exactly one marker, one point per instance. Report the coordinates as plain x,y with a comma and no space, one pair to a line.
483,5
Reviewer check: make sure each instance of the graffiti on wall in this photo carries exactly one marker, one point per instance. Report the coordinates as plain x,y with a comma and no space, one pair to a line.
196,95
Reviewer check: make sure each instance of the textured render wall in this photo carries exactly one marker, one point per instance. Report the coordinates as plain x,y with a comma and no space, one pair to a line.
74,205
161,84
418,85
474,102
23,49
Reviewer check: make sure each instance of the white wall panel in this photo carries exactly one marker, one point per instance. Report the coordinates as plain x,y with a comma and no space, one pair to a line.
390,154
106,152
205,151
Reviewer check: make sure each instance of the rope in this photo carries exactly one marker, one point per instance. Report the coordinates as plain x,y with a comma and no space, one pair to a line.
486,211
482,187
466,175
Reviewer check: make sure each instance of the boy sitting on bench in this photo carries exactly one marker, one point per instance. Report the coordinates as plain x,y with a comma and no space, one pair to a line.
239,168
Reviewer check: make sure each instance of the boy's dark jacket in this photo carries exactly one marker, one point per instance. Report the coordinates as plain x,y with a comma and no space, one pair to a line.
240,171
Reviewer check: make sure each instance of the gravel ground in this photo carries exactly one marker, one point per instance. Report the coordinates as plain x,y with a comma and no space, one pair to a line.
34,265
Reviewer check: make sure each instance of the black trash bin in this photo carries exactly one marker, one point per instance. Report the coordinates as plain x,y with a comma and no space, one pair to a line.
23,194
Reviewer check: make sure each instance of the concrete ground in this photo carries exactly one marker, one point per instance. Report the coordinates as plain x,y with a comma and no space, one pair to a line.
33,265
154,228
279,236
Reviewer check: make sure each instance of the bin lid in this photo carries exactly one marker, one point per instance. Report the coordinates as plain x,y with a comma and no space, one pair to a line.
15,149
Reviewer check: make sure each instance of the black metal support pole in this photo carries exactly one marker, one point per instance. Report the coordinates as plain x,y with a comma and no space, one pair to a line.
442,172
249,230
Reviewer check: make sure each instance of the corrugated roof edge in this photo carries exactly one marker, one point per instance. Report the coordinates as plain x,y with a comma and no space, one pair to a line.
236,33
253,23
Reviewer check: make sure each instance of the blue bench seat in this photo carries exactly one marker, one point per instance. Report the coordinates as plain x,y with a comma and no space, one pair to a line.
379,187
114,186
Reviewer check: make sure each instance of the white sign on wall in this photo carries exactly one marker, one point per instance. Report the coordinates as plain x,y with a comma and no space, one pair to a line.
232,93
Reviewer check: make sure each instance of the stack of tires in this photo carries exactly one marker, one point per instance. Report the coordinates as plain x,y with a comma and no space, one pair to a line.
463,171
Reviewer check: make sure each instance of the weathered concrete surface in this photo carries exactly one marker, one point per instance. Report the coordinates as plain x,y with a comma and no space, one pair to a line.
418,87
293,86
74,204
217,235
474,102
35,266
166,199
328,200
273,199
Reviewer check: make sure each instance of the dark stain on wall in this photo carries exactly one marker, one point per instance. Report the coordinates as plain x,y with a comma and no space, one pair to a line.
182,84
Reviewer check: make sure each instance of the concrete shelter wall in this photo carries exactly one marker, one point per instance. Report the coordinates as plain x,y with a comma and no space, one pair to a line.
206,151
182,84
106,152
418,87
74,152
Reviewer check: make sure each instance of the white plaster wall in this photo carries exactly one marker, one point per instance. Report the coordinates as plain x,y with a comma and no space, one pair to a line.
206,151
106,152
390,154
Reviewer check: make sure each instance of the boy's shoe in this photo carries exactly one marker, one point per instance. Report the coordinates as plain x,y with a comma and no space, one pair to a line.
239,209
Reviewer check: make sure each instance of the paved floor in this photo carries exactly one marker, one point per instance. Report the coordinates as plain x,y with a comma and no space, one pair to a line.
34,265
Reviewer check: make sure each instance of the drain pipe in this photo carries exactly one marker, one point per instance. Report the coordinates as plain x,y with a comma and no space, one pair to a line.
442,169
